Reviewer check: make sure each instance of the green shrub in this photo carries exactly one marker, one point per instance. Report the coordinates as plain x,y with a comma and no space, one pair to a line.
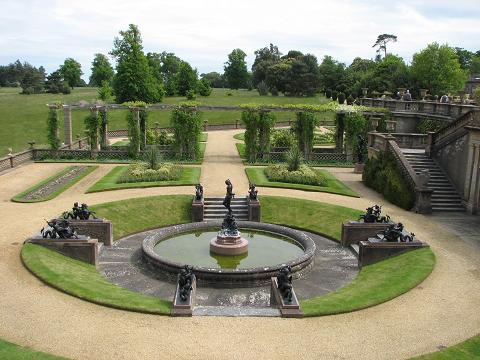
204,88
304,175
294,158
52,129
229,94
274,91
191,95
262,88
328,93
427,125
383,175
476,95
334,95
161,137
341,98
327,137
282,138
187,126
152,157
141,172
350,100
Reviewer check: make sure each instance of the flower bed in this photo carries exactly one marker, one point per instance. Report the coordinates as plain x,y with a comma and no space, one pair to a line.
140,172
304,175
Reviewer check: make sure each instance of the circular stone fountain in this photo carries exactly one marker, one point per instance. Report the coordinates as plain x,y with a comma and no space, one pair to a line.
229,241
271,247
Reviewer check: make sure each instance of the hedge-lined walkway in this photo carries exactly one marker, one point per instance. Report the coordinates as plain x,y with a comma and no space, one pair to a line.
443,310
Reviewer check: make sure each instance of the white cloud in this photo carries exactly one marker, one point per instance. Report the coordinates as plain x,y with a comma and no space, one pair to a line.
204,32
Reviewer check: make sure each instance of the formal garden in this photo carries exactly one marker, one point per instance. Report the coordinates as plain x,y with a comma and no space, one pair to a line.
288,208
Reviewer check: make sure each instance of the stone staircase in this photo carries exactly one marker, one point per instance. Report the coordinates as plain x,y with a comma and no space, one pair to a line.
214,209
444,197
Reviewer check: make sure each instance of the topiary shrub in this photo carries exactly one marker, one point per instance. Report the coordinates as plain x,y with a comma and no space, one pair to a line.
274,91
262,88
350,100
334,95
341,98
383,175
303,175
328,93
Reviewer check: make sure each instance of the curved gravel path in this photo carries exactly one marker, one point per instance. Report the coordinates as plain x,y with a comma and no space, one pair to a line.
443,310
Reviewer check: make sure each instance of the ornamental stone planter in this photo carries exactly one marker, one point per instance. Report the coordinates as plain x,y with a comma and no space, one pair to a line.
355,231
84,248
100,229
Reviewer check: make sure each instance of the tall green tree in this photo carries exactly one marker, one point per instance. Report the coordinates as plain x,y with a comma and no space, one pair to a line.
186,78
102,71
331,73
71,71
216,79
33,79
170,66
382,41
437,69
264,58
134,79
236,69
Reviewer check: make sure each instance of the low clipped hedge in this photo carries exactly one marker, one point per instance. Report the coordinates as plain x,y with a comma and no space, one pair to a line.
383,175
140,172
304,175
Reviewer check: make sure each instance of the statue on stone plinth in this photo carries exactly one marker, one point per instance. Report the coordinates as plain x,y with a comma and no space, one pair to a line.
185,281
198,192
284,280
79,213
59,228
395,233
229,196
373,215
253,192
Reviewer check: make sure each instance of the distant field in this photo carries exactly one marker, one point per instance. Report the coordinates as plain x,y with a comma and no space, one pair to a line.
23,117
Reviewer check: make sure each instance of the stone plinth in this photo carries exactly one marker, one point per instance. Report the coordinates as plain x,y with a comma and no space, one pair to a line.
84,248
197,210
100,229
254,213
184,308
355,231
287,309
370,252
229,245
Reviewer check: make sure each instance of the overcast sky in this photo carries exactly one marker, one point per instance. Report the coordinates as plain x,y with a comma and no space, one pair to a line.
204,32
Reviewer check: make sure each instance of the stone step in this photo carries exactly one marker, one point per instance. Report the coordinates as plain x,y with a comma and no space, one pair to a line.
448,208
235,311
441,202
224,212
220,206
214,218
355,249
220,202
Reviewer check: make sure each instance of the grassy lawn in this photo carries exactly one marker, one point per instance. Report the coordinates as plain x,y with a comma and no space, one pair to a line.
83,281
257,176
134,215
467,350
241,149
240,136
190,176
375,284
20,197
310,215
15,352
23,117
203,137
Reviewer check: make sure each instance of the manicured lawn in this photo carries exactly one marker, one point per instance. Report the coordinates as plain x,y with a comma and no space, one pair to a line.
83,281
257,176
240,136
23,117
190,176
134,215
375,284
467,350
310,215
203,137
15,352
241,149
20,197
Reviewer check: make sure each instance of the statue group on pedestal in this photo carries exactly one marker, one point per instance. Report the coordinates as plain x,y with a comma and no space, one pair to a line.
395,233
79,213
198,192
59,229
374,215
229,196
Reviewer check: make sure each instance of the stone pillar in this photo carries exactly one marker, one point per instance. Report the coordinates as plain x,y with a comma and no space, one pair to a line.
423,203
67,124
104,129
96,145
429,145
254,210
340,127
472,183
136,117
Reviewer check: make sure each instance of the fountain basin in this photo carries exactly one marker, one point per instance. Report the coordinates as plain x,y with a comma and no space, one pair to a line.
208,273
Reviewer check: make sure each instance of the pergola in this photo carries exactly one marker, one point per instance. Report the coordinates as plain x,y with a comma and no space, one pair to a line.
372,114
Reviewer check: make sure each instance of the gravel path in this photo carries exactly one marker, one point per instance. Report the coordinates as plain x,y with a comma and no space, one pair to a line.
443,310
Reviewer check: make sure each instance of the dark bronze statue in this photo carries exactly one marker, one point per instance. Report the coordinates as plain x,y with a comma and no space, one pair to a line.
198,192
373,215
59,229
79,213
284,280
185,281
229,226
253,192
394,233
229,196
